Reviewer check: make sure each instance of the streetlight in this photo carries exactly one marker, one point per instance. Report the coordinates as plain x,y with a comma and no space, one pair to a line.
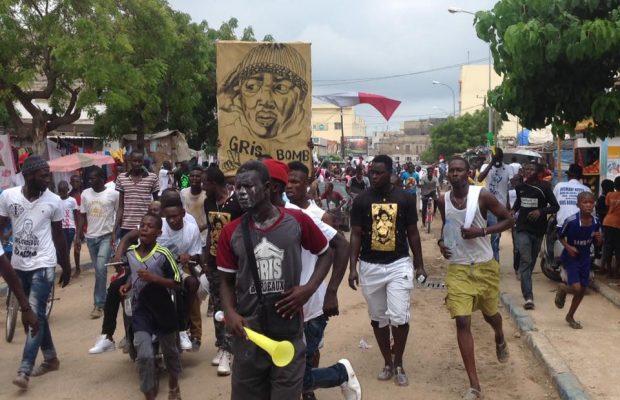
455,10
453,96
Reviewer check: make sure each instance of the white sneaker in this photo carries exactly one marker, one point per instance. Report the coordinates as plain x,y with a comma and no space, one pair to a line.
223,369
186,344
351,389
216,360
102,345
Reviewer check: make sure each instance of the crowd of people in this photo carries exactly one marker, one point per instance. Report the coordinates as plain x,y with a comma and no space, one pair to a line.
260,245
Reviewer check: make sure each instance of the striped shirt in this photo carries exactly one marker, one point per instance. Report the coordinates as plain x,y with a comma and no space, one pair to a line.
136,197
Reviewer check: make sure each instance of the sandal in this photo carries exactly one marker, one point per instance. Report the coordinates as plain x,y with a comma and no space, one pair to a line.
44,368
174,394
574,324
472,394
501,350
560,298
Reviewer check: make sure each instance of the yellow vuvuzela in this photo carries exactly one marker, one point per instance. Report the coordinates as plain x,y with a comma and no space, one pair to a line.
281,352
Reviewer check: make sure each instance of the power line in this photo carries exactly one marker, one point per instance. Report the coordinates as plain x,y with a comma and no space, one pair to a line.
337,82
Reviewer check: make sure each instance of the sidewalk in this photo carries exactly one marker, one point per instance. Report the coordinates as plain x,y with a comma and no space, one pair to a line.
590,353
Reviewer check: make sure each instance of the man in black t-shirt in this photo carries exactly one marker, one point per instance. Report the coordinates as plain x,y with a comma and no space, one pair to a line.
383,229
535,200
221,207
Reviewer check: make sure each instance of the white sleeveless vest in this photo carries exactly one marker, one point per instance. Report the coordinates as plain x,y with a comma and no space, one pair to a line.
466,251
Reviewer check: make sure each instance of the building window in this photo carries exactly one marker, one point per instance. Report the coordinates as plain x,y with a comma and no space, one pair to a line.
337,126
408,158
397,158
407,148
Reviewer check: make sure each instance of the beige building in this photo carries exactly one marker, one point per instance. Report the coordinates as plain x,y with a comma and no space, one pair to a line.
473,88
405,145
326,122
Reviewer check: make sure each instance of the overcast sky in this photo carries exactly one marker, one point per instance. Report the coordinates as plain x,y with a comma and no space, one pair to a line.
365,39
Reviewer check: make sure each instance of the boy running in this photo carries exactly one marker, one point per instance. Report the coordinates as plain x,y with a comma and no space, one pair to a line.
153,271
576,237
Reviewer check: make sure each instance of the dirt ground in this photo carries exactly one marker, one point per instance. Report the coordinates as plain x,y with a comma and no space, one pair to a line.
432,359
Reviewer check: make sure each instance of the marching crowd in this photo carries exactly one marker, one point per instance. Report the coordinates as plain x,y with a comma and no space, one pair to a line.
260,245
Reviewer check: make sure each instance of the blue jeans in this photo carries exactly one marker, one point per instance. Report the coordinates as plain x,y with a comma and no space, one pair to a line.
37,286
69,235
492,220
100,250
315,378
528,247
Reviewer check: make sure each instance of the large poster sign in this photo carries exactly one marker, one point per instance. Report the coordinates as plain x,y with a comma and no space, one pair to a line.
264,102
355,146
7,168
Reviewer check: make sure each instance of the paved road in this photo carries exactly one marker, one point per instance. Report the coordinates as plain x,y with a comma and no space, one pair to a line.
432,359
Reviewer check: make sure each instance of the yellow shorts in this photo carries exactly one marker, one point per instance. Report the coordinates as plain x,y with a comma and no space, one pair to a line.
472,288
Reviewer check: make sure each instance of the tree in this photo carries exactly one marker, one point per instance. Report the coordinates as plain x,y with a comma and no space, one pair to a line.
177,76
166,66
456,135
559,60
60,52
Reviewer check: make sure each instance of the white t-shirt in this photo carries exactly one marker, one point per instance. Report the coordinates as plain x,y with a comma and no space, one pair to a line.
69,205
314,306
100,209
164,179
512,197
516,167
184,241
498,181
33,247
194,205
566,194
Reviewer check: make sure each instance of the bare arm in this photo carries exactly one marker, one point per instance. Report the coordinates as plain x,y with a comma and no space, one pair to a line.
504,220
354,255
119,211
413,236
234,321
60,243
328,219
29,318
483,174
125,242
340,247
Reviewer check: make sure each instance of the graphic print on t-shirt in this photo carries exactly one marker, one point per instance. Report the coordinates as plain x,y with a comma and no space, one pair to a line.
269,263
384,226
217,220
25,243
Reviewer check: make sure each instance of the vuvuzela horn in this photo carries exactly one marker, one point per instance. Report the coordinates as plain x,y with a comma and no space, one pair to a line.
281,352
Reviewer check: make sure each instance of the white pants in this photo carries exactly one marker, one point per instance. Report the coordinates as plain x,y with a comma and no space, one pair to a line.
387,290
203,289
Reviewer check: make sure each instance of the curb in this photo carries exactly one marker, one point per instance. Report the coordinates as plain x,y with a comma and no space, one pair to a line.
565,382
607,292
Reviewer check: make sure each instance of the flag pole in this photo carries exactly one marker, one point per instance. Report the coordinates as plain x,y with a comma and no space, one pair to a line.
341,134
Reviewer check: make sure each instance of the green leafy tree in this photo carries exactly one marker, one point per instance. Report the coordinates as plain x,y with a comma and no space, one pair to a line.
167,64
58,52
456,135
179,93
559,60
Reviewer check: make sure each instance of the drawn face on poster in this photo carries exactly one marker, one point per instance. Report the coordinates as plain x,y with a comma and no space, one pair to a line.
263,102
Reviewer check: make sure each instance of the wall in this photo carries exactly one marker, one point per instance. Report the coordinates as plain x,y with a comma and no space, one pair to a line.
326,122
474,84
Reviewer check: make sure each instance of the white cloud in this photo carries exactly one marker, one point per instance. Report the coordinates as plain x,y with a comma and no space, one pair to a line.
367,38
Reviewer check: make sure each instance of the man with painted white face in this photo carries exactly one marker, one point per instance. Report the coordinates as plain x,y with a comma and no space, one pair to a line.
260,286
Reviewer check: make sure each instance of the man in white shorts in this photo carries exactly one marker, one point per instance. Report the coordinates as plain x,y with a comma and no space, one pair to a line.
383,229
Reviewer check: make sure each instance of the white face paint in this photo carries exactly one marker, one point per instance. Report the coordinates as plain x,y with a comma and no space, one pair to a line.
249,188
